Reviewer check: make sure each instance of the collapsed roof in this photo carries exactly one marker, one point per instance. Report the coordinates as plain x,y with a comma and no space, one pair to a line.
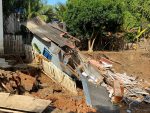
49,33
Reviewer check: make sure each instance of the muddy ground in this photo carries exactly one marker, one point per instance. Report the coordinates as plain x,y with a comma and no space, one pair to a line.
61,99
133,62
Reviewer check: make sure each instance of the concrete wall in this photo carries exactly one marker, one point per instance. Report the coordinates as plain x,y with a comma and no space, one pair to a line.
1,29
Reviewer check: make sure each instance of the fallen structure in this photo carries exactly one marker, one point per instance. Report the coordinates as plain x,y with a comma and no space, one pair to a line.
55,52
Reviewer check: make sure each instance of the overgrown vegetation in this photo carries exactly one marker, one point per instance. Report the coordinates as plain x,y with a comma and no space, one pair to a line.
89,19
100,24
101,19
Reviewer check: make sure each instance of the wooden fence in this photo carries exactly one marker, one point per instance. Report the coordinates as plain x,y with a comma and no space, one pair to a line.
28,53
13,44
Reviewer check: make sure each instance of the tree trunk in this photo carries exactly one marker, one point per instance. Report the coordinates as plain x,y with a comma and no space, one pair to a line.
91,44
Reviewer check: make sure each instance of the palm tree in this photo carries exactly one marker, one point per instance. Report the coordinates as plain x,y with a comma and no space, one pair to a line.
60,10
38,8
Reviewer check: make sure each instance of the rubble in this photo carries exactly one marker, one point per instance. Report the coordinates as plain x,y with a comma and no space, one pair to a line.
16,82
121,87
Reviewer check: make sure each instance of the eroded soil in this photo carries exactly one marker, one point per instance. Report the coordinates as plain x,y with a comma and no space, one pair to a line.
134,63
61,98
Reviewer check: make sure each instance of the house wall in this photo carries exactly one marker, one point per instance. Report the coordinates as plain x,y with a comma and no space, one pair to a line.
1,29
55,57
53,68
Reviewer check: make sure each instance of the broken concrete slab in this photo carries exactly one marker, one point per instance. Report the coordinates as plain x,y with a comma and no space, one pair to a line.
23,103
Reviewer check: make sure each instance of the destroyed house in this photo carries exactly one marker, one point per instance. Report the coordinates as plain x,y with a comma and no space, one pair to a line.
51,47
55,51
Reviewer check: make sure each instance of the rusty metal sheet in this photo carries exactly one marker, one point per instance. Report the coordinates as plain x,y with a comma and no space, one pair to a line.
43,30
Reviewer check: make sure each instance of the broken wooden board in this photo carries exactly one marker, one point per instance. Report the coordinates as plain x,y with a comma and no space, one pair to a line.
22,103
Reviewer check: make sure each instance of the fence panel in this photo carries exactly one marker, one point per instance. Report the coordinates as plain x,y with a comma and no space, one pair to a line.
13,44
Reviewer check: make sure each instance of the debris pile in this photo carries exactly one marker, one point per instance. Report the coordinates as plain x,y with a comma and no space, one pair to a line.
16,82
121,87
134,91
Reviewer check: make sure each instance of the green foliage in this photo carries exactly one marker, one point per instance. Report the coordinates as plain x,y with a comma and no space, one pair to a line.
146,9
86,18
129,21
129,37
90,18
136,14
139,11
38,8
140,32
60,10
31,8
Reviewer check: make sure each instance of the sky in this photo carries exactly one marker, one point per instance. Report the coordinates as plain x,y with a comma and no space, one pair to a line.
54,2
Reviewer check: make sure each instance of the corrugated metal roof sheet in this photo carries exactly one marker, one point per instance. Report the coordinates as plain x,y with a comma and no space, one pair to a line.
43,30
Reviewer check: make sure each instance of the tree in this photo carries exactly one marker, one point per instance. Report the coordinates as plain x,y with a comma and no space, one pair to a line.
87,19
60,10
29,8
38,8
136,17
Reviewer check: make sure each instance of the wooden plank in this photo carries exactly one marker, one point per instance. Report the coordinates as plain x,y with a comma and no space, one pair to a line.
3,110
23,103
